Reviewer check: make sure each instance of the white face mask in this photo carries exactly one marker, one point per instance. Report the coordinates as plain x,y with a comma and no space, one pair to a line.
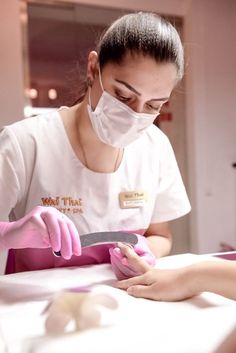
115,123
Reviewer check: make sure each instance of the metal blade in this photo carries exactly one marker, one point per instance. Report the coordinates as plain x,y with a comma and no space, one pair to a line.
97,238
107,237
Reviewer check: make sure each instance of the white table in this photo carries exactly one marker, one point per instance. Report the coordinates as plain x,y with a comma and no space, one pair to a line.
197,325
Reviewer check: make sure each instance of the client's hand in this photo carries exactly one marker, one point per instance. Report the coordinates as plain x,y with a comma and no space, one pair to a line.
128,262
161,284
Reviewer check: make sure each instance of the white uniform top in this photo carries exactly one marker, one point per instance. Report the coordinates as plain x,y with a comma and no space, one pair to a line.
39,167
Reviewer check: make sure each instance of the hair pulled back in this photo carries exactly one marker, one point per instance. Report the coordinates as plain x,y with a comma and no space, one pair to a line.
142,33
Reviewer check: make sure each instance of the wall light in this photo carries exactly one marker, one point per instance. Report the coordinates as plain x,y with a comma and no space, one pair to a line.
52,94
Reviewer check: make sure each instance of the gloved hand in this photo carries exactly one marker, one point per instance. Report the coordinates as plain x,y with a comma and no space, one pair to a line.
123,268
43,227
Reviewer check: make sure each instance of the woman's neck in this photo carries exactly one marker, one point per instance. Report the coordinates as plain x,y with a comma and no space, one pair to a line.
93,153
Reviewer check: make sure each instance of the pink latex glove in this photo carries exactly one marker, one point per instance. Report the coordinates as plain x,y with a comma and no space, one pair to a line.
43,227
120,263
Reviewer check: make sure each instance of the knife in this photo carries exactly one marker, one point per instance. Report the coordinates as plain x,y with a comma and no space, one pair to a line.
97,238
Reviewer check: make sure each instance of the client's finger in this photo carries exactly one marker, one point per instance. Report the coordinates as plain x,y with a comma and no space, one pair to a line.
132,259
126,283
140,291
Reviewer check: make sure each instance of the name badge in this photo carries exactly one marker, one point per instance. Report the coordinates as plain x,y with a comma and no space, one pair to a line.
132,199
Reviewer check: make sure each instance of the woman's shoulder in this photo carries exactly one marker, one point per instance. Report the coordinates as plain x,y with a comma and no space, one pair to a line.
153,139
34,128
155,135
152,144
150,141
33,123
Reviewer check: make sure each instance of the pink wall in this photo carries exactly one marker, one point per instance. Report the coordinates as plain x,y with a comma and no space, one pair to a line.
11,63
211,120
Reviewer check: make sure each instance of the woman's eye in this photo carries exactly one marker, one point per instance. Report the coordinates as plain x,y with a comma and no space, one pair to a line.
121,97
154,109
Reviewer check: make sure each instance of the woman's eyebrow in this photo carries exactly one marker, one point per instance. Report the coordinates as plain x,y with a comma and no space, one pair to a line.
138,93
128,86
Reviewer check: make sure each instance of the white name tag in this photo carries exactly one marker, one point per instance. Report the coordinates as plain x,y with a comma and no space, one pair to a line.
132,199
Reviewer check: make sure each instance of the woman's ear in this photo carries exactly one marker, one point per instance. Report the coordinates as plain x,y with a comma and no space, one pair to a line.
92,68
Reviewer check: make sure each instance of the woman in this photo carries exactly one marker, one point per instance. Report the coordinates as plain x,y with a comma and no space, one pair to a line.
100,164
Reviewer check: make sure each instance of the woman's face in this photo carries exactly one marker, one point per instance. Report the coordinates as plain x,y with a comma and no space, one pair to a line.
140,82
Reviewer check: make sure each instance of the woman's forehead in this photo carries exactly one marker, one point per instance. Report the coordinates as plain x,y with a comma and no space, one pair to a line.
142,72
140,64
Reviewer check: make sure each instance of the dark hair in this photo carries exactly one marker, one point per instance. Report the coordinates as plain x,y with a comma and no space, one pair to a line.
142,33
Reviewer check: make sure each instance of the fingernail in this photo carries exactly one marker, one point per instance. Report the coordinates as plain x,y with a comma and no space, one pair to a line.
117,251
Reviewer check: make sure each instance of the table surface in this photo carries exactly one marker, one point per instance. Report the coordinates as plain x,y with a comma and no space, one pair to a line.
197,325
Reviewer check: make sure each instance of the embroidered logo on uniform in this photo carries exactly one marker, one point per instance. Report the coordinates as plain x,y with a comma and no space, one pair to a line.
65,204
